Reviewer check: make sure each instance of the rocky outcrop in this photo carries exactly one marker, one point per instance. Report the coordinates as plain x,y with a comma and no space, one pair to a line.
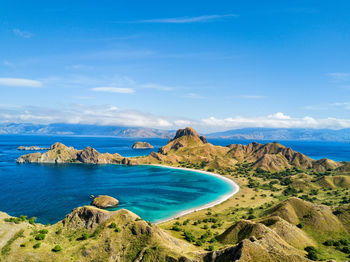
189,131
142,145
88,155
105,201
60,153
87,217
31,148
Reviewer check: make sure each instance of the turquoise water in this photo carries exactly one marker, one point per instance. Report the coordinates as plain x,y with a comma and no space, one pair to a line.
49,192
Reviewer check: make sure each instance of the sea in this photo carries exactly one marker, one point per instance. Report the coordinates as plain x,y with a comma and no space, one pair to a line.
50,191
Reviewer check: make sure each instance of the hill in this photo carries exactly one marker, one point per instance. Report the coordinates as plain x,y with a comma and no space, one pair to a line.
189,147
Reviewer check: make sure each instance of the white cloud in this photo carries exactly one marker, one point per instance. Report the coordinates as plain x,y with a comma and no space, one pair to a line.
109,89
23,34
278,120
112,115
185,20
279,115
81,114
20,82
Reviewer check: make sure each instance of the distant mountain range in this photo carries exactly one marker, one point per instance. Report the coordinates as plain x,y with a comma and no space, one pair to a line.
276,134
84,130
279,134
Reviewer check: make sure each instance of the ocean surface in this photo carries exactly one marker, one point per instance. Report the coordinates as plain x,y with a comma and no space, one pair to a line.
49,191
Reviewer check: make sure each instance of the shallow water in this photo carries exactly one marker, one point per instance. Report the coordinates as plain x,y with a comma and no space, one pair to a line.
49,191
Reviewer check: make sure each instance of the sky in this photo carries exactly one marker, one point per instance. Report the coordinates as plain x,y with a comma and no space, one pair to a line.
213,65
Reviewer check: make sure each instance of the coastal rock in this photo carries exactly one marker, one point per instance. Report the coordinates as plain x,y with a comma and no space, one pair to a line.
142,145
105,201
31,148
88,155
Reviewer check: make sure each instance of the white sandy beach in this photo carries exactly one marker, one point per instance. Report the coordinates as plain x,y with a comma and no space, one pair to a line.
235,189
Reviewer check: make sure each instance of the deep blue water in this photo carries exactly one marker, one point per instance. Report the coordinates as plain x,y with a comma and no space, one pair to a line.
49,191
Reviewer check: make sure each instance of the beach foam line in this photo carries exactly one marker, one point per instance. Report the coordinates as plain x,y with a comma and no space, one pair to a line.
235,189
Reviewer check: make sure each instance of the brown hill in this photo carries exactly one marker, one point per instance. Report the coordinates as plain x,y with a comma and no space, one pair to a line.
188,147
334,181
319,218
258,242
92,234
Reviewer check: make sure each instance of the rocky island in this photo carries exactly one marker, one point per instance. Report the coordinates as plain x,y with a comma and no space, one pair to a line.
104,201
142,145
290,208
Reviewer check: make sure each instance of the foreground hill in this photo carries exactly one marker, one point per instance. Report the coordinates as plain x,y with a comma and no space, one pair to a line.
92,234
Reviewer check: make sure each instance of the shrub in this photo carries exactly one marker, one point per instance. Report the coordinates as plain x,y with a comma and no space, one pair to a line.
344,242
329,243
32,220
40,236
311,253
176,228
37,245
84,236
300,225
211,248
199,242
189,237
186,222
112,225
43,231
346,250
251,217
22,245
57,248
117,230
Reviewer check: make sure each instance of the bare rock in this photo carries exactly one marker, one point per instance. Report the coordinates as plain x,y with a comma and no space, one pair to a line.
105,201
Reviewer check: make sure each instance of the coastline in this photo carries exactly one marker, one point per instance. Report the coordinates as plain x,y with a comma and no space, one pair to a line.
235,190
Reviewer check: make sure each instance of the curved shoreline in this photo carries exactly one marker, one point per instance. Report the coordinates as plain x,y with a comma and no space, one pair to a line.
235,189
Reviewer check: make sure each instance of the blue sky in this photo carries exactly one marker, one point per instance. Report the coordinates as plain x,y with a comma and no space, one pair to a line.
215,65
